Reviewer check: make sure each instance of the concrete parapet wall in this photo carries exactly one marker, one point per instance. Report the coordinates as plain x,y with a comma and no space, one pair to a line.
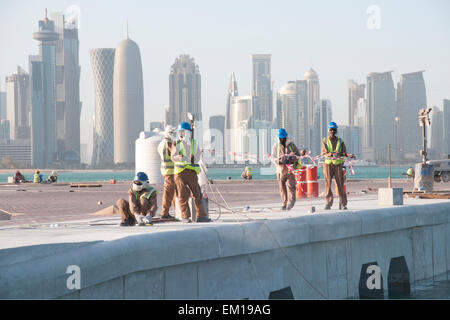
316,256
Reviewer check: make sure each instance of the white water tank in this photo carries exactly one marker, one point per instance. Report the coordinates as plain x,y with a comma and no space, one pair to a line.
147,157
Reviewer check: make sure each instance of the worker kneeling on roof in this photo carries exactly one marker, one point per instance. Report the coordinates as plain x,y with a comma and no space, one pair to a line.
141,205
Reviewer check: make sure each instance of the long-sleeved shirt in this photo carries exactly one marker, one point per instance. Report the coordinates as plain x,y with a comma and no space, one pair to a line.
278,151
186,156
343,152
144,206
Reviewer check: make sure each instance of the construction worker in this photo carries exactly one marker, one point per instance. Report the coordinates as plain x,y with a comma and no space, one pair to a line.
284,154
141,205
37,177
410,173
334,150
247,173
167,170
186,156
53,177
19,177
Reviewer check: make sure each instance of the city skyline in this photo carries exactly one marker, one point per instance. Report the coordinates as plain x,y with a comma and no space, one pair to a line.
335,67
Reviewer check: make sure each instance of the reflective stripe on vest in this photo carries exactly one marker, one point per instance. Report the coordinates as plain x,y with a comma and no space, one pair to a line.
290,149
167,164
37,178
289,146
147,194
329,160
181,165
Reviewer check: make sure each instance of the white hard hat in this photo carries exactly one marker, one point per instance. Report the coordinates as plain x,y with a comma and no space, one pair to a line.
169,132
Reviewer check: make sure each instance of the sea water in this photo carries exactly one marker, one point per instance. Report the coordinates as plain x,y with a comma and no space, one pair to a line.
380,172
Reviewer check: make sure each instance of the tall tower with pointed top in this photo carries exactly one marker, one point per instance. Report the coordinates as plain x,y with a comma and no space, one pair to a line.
232,92
128,100
43,95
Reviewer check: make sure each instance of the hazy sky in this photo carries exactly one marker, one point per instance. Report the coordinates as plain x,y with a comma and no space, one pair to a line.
330,36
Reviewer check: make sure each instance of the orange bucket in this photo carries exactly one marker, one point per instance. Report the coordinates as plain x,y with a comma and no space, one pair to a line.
312,188
301,189
311,173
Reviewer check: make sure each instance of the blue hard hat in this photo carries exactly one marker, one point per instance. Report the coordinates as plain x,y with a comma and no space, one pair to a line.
332,125
141,176
184,126
282,133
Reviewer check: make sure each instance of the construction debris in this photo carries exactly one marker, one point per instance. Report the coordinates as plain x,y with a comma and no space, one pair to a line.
107,211
4,215
80,185
442,194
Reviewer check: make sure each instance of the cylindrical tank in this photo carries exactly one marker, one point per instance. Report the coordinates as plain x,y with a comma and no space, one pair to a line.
147,156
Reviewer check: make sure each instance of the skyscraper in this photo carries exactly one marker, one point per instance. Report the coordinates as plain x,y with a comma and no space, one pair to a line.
312,102
361,121
42,93
437,134
355,92
17,104
289,113
128,96
241,111
232,92
2,105
411,96
102,61
313,93
184,90
322,117
262,87
67,78
380,114
446,128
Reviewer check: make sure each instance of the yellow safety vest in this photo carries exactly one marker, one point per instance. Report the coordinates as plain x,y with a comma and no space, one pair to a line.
167,164
298,165
37,178
249,171
147,195
329,160
181,165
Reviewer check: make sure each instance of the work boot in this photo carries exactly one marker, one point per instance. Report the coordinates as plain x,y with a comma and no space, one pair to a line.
327,207
186,220
203,219
289,207
167,216
344,208
283,208
127,223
